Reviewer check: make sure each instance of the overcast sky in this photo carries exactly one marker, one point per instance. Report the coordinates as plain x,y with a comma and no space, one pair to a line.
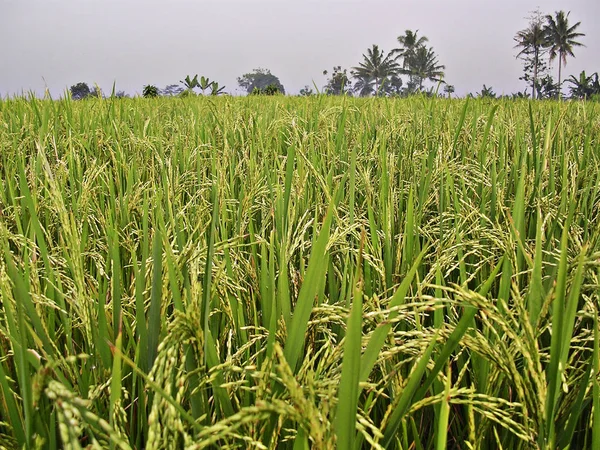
57,43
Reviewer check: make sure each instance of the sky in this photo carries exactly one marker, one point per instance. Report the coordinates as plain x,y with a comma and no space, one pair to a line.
57,43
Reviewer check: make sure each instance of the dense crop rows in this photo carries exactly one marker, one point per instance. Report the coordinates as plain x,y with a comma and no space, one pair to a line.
294,272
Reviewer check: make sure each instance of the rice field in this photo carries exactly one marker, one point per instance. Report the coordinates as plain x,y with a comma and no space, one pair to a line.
294,273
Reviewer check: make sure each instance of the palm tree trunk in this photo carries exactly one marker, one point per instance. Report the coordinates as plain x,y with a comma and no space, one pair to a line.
535,72
559,75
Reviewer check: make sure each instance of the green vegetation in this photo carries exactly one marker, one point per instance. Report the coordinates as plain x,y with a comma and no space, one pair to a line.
204,83
562,40
150,91
271,89
260,81
309,272
545,39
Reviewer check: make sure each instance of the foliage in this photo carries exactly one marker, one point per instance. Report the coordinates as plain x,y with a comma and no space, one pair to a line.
259,79
562,40
150,91
205,84
449,89
293,273
306,91
363,85
520,95
487,92
419,62
80,91
410,42
375,69
215,89
271,89
171,90
96,92
338,82
424,65
190,84
185,93
533,42
392,86
584,87
547,88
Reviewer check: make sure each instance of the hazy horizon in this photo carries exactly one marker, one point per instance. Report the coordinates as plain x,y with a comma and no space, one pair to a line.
133,42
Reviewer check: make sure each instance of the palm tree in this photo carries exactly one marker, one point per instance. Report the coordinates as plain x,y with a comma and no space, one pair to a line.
376,67
449,89
424,65
363,86
562,40
533,40
409,42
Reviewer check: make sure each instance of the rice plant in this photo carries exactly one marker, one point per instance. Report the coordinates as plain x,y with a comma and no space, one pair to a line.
318,272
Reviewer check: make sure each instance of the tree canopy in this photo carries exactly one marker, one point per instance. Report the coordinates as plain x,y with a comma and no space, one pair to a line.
338,82
381,74
80,91
562,39
546,39
584,87
259,79
413,67
533,42
375,69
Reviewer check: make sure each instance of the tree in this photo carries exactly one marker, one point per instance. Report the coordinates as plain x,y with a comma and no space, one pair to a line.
205,83
487,92
363,86
562,40
306,91
546,88
533,42
409,42
96,92
392,86
449,90
271,89
519,95
150,91
215,89
259,79
419,62
121,94
171,90
376,68
584,87
338,83
80,91
190,84
424,65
